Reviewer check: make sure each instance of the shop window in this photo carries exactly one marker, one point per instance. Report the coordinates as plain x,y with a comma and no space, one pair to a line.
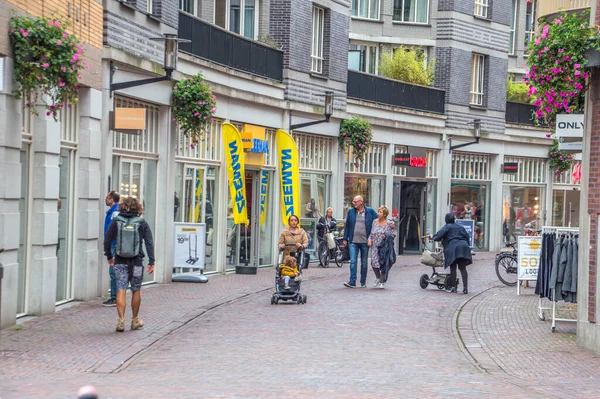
521,211
468,200
571,176
371,189
314,197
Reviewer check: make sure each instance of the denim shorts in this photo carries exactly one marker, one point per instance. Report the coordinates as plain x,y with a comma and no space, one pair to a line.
132,274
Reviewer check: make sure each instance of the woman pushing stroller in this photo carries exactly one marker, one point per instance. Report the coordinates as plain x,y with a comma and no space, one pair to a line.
457,252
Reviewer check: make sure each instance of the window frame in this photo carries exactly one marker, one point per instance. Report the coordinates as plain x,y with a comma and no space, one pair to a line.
426,22
318,32
150,7
356,11
513,29
367,59
481,8
529,34
477,94
192,4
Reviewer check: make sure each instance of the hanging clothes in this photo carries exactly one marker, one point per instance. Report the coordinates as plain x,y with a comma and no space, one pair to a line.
569,286
542,287
577,173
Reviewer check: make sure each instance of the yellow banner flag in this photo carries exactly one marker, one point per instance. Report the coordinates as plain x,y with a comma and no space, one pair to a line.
289,173
264,192
234,153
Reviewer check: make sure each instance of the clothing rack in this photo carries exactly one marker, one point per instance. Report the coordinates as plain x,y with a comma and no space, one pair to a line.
541,314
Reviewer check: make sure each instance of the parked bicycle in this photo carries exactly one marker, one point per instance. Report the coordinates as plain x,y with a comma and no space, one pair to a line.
335,254
507,264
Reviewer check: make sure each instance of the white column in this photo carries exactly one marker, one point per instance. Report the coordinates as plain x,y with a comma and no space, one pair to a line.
44,234
90,202
389,178
163,236
495,206
10,192
444,184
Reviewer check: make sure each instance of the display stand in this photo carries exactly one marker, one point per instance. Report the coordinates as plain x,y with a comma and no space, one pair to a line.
189,249
541,308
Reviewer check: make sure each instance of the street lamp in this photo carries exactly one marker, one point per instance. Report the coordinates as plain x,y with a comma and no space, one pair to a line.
327,113
476,132
170,64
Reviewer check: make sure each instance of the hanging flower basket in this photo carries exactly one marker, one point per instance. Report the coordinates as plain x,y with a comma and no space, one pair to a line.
47,62
193,107
557,61
559,161
357,133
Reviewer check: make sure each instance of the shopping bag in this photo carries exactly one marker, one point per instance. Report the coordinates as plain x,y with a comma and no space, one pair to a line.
330,240
430,258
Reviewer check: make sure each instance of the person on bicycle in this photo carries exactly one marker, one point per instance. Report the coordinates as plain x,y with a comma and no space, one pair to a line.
325,225
293,239
457,252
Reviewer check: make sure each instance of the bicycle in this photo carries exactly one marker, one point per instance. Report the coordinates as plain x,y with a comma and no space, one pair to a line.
326,254
507,264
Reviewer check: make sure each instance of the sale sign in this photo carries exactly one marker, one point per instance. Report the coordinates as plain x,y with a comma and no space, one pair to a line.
530,250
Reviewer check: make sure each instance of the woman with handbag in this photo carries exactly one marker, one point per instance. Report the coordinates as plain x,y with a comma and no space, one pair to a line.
457,251
293,239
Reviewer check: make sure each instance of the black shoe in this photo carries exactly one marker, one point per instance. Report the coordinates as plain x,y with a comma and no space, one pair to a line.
465,291
110,302
453,290
349,285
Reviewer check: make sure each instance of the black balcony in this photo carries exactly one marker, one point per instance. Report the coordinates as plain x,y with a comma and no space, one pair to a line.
520,114
215,44
363,86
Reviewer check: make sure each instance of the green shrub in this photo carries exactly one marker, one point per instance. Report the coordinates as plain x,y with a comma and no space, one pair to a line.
517,92
407,65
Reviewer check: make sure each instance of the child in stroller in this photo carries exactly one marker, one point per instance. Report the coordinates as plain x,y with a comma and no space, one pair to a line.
288,278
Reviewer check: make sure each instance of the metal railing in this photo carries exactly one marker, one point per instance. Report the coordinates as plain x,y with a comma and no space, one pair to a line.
549,7
215,44
520,114
363,86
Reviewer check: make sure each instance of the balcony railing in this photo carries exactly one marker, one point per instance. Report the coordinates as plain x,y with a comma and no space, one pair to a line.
215,44
520,114
550,7
363,86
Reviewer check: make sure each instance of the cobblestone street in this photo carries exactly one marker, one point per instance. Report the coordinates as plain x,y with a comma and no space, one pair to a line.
224,340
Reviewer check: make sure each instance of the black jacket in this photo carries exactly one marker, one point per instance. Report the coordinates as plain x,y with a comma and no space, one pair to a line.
323,227
387,255
145,233
455,240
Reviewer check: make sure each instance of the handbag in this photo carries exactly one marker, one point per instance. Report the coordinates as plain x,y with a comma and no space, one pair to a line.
330,240
430,258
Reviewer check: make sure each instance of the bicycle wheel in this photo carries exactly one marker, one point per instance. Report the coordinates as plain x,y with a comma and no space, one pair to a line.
323,254
506,269
339,256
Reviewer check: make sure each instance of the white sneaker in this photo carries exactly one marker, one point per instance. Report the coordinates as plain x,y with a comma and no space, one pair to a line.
376,283
381,286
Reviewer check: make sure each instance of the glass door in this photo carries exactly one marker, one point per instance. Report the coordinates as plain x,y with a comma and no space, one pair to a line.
22,254
130,178
64,207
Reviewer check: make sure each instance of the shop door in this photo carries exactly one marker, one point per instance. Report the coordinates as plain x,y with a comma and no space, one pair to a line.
251,245
410,209
130,178
65,208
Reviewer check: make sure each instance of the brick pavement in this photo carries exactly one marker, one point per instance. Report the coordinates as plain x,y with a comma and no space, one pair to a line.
224,340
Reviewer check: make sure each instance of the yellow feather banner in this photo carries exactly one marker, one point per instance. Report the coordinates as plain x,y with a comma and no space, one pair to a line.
289,173
264,192
234,153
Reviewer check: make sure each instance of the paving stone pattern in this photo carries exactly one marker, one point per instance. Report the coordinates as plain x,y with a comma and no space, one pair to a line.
223,339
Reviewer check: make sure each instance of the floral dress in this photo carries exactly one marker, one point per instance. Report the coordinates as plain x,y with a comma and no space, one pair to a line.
377,232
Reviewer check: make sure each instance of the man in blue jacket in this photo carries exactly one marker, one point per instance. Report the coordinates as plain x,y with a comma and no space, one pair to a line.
356,232
112,201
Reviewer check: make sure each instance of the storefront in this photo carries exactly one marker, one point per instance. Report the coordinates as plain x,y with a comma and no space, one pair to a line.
252,245
566,196
135,163
414,195
523,196
470,193
366,179
315,181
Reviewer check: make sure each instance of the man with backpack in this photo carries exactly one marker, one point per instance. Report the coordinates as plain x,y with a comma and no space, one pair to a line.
112,201
128,230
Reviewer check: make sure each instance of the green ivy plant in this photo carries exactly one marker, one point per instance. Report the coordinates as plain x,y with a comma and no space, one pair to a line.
559,161
47,62
193,107
357,133
407,64
557,63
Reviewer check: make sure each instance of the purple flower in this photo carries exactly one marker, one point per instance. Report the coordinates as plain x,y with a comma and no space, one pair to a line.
577,66
196,113
548,135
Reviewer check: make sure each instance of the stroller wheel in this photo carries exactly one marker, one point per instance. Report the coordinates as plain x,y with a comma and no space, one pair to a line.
299,300
272,300
424,281
304,298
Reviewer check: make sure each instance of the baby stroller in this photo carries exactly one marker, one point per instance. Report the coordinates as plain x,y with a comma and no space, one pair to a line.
434,259
292,294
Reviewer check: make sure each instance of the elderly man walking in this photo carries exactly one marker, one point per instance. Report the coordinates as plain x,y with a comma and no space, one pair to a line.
356,232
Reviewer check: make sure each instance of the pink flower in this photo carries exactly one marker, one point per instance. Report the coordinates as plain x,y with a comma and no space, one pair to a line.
191,79
577,66
537,41
547,135
560,50
25,33
61,84
558,21
45,65
59,42
51,23
65,35
174,87
57,24
174,120
196,113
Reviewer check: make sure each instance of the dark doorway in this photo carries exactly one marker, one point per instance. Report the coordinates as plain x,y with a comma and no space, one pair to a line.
409,199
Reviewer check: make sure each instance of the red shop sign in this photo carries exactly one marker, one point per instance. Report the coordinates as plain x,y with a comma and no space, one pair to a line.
418,162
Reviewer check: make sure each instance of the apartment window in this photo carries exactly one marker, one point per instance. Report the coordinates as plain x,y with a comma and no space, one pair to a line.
477,79
238,16
149,6
363,58
415,11
187,6
529,23
318,17
481,8
513,20
365,9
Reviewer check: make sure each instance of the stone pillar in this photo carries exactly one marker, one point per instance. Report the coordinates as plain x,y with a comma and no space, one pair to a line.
44,234
10,192
90,198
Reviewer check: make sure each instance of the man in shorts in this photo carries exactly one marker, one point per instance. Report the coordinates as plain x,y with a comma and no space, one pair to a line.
129,271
